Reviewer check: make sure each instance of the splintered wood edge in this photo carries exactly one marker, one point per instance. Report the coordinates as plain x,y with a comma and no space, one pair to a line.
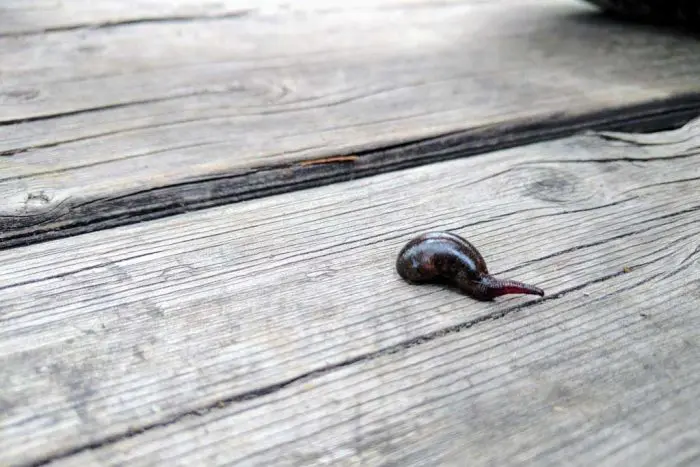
238,302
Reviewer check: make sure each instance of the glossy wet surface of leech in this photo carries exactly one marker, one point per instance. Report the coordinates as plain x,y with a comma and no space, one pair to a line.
447,257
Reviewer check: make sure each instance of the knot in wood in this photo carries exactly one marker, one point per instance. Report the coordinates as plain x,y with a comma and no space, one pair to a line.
552,184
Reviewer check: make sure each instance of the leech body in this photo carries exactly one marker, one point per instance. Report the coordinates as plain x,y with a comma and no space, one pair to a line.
444,256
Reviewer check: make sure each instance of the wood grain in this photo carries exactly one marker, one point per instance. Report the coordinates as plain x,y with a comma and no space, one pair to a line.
607,375
110,334
27,17
103,126
37,17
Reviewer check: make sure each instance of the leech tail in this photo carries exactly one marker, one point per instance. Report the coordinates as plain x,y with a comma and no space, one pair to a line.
497,287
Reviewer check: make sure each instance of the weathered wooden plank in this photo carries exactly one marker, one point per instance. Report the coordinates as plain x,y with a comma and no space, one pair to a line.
113,125
607,375
135,327
24,17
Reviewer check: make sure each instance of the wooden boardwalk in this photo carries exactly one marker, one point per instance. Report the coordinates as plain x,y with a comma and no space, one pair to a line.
201,205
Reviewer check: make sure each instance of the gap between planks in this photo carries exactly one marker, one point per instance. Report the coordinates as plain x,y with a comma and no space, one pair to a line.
149,322
73,217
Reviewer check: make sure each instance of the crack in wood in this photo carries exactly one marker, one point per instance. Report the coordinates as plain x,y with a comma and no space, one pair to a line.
603,241
685,155
89,110
131,22
77,271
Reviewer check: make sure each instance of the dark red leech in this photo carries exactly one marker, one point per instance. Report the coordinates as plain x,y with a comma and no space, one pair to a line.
444,256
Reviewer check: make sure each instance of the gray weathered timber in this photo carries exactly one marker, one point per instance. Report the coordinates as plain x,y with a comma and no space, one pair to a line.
109,334
608,375
36,17
25,17
138,119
